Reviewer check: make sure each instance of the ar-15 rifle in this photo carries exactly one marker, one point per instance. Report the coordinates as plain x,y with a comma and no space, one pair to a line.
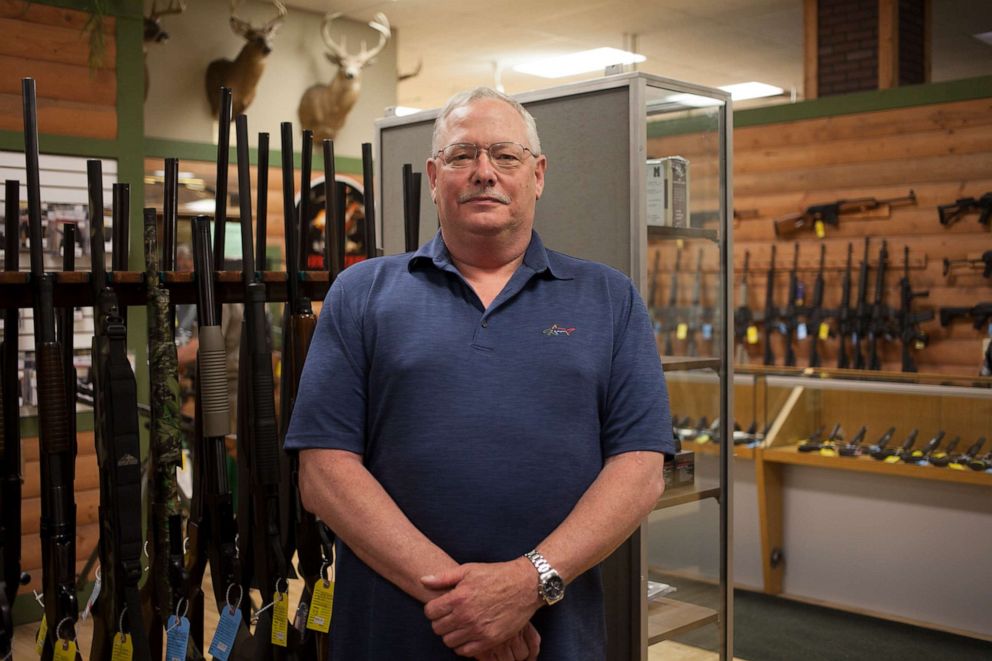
11,576
816,316
862,313
980,314
984,262
672,312
115,395
950,213
167,582
263,562
744,329
211,528
844,322
771,312
817,216
57,447
790,316
909,321
877,325
696,319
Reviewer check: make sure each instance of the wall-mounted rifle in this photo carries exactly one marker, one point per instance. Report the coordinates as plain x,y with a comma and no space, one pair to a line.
909,322
878,325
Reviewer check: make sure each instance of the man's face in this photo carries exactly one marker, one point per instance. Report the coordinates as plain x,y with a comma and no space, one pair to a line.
481,199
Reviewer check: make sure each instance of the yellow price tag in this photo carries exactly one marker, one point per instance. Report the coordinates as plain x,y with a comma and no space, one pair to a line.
65,650
39,640
280,618
956,466
682,331
892,459
824,330
319,618
828,452
752,334
820,229
123,649
703,439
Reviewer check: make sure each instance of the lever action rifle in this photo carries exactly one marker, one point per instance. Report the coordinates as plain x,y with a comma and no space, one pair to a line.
167,582
951,213
909,321
816,316
790,316
844,320
11,577
259,509
817,216
115,395
57,448
878,321
771,312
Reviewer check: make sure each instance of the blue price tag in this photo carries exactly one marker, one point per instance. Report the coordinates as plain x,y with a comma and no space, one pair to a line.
177,638
801,331
707,331
227,630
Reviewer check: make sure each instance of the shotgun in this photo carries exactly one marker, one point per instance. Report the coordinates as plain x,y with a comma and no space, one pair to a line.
57,448
333,215
258,443
262,202
369,196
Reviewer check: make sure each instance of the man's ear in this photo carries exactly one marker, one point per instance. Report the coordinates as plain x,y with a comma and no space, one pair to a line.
431,167
539,169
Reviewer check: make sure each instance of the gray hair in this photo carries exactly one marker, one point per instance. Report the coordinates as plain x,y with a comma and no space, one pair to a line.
465,98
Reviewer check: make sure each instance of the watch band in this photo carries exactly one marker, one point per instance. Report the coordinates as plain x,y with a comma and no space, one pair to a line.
550,585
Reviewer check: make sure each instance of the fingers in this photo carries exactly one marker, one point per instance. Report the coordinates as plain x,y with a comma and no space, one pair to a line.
533,640
518,647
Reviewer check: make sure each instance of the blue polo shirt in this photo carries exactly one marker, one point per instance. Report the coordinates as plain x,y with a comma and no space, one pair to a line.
485,426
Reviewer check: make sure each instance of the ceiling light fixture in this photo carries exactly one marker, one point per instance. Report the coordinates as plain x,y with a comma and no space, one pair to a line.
984,37
738,92
572,64
403,111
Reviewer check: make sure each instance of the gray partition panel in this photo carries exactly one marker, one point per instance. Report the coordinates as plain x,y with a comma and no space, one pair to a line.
585,210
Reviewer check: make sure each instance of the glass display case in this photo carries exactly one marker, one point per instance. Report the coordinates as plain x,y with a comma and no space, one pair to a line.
638,178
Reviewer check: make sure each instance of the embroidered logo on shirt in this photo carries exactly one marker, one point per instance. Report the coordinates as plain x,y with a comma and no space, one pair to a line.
556,330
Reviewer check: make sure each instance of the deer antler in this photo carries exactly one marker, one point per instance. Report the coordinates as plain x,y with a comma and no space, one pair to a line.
277,19
381,25
337,51
242,27
173,8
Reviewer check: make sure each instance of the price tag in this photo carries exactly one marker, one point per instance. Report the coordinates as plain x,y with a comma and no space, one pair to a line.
892,459
280,618
956,466
707,331
123,649
681,331
824,331
828,452
820,229
801,331
177,638
319,618
39,640
65,650
227,631
752,334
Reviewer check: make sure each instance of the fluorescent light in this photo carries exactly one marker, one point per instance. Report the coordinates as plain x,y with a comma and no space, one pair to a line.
596,59
694,100
751,90
985,37
402,111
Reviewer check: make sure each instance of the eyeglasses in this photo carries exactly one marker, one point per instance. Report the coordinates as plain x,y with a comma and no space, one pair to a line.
503,155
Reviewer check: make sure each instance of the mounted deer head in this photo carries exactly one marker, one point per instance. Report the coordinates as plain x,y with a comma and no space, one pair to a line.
242,74
324,108
154,34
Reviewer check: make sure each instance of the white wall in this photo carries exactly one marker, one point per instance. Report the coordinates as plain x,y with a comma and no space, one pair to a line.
177,107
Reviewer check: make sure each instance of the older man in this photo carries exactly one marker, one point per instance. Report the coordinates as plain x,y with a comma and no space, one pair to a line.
482,421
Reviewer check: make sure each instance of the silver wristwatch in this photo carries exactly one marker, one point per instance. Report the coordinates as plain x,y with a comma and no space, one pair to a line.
550,585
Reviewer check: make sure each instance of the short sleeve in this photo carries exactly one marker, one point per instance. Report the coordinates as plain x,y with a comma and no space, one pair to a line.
330,409
637,415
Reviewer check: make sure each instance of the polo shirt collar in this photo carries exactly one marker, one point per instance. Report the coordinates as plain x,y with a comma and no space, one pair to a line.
537,258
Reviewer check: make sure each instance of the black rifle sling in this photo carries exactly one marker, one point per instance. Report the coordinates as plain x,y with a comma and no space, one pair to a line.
121,420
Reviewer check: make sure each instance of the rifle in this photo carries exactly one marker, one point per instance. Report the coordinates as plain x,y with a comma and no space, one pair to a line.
262,203
369,198
211,528
167,582
259,507
816,317
115,400
817,216
696,314
877,322
909,331
771,312
333,215
11,577
57,448
862,312
790,318
950,213
411,211
844,323
672,310
223,158
981,314
744,329
984,262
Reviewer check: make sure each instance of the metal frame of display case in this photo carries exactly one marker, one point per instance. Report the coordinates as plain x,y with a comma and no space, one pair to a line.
602,124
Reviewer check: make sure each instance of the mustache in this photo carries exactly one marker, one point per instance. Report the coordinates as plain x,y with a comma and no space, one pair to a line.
486,192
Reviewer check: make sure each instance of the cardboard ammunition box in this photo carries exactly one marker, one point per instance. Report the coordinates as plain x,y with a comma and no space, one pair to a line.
667,192
681,471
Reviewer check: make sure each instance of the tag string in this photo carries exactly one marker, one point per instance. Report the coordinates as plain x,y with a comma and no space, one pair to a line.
227,598
120,623
58,630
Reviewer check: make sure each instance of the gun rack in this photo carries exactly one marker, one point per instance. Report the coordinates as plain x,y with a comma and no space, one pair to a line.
74,288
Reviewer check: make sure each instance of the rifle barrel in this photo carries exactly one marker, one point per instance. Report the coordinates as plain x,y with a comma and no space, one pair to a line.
369,193
223,161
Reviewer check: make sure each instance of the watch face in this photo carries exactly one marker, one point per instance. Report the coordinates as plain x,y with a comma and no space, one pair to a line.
553,589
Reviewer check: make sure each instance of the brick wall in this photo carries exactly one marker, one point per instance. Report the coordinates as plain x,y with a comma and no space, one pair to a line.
847,46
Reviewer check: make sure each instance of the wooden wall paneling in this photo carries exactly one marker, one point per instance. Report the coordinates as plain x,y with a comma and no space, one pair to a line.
34,12
60,82
50,43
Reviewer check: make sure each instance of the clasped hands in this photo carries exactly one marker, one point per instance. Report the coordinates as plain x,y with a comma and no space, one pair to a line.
486,609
